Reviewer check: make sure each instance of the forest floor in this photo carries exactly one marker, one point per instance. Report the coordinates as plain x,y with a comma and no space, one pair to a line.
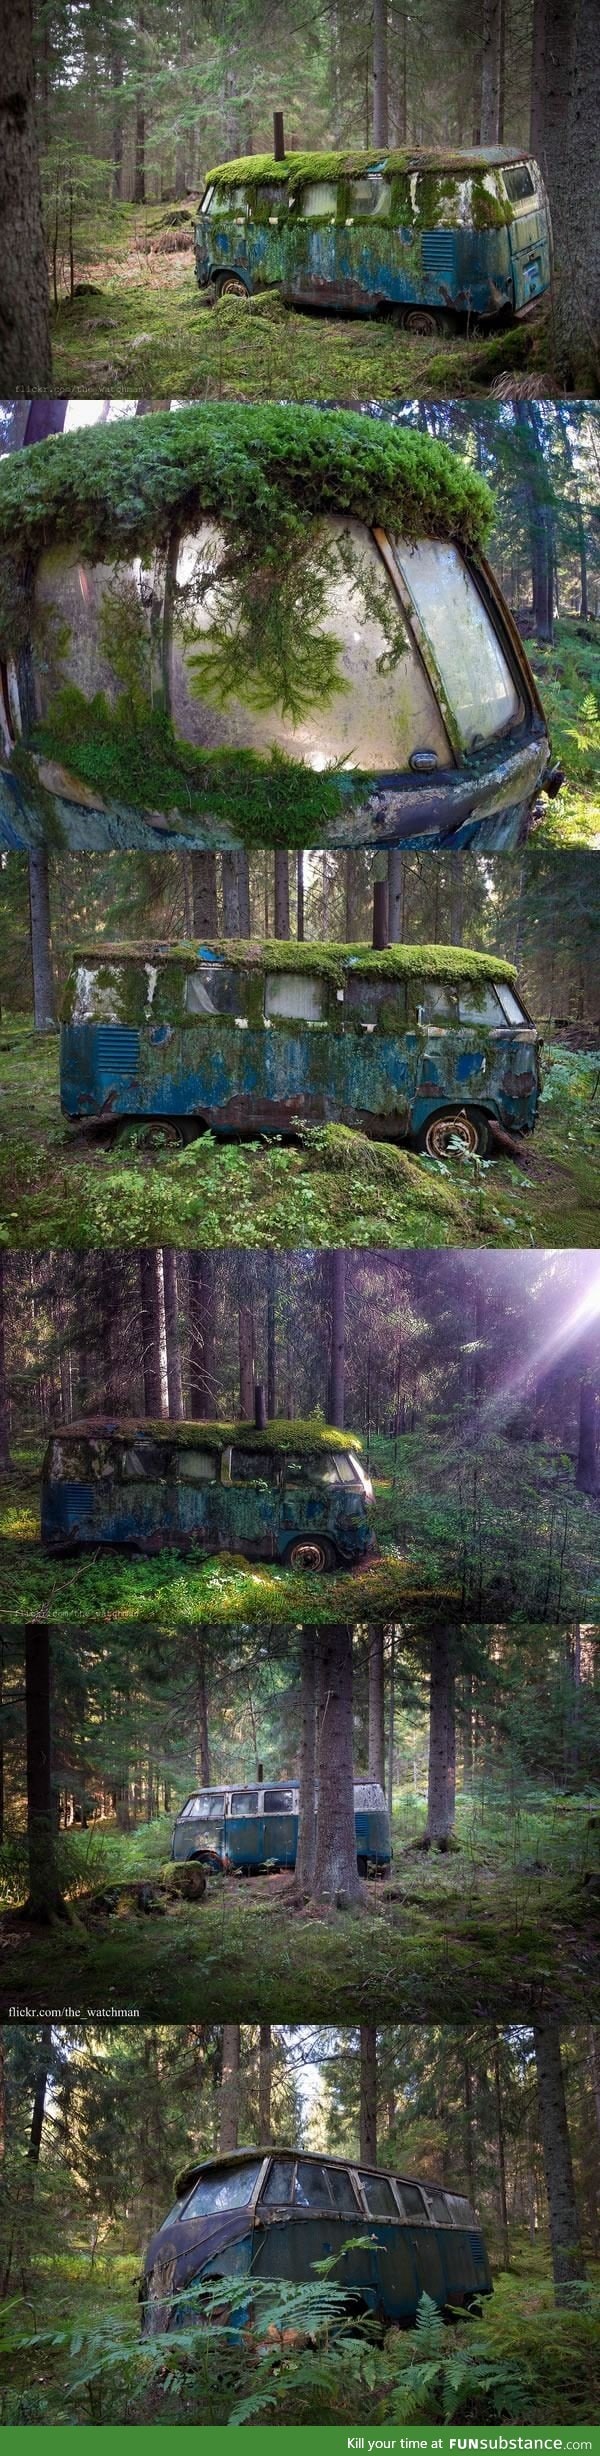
90,2366
65,1186
139,323
508,1924
486,1526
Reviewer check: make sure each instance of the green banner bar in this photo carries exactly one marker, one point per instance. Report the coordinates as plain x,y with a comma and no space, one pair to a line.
409,2439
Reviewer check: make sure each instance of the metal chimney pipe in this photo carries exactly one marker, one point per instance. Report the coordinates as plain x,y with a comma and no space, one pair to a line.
278,137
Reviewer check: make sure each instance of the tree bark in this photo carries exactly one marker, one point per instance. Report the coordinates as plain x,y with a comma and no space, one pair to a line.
337,1375
368,2095
204,894
44,1901
586,1472
44,1001
231,900
25,351
282,895
202,1741
336,1875
305,1854
271,1266
442,1738
567,2257
174,1381
501,2154
380,73
202,1335
139,177
265,2076
567,113
491,71
229,2111
116,79
354,882
395,897
39,2095
155,1396
4,1402
246,1348
376,1706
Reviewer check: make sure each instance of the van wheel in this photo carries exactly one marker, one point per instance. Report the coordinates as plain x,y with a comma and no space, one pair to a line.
154,1134
469,1127
362,1865
230,285
422,320
310,1553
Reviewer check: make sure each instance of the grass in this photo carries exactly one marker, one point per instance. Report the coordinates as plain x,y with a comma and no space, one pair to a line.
568,675
503,1923
141,326
487,1531
68,1187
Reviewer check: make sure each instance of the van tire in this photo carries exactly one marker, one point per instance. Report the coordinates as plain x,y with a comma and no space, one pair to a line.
297,1555
362,1865
230,285
470,1124
422,320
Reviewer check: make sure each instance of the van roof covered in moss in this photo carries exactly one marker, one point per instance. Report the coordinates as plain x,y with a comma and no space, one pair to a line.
279,1435
117,490
290,955
250,169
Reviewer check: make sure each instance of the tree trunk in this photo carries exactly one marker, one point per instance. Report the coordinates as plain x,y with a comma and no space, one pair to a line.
202,1739
229,2112
246,1348
44,1901
501,2154
202,1335
354,881
305,1854
39,2095
380,73
337,1373
243,876
25,352
174,1382
204,894
538,80
282,895
300,897
155,1396
44,1002
567,2258
271,1266
139,176
231,900
586,1473
368,2095
265,2076
468,2104
376,1706
336,1875
4,1402
491,71
391,1713
442,1738
116,79
567,133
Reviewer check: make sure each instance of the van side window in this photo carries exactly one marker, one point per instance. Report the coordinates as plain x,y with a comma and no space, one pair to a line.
252,1467
212,989
197,1466
379,2196
267,199
278,2187
342,2191
439,1003
376,1002
70,1462
438,2207
278,1800
205,1803
370,196
412,2201
146,1462
316,1468
311,2185
518,182
510,1004
226,200
244,1803
461,2209
477,1003
296,994
319,199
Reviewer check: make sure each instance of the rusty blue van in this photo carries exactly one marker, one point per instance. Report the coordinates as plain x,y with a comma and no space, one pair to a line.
272,2214
296,1493
431,1045
255,1826
442,238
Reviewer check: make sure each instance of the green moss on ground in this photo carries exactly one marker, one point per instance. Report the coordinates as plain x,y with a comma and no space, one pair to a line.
59,1186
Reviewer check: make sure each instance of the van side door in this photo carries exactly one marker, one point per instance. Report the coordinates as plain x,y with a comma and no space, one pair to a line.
280,1824
249,1501
310,245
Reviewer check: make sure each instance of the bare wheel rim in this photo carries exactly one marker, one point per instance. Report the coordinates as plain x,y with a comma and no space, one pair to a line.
307,1556
444,1130
421,322
232,287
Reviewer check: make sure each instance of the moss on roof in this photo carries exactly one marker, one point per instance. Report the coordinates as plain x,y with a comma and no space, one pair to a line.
250,169
281,1434
261,471
289,955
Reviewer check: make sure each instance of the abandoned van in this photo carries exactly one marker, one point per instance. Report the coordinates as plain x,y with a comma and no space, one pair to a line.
256,1826
424,1044
296,1494
258,626
270,2214
439,237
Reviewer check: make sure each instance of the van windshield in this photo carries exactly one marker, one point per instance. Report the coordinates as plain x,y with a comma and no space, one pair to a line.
467,652
204,1804
231,2190
518,182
